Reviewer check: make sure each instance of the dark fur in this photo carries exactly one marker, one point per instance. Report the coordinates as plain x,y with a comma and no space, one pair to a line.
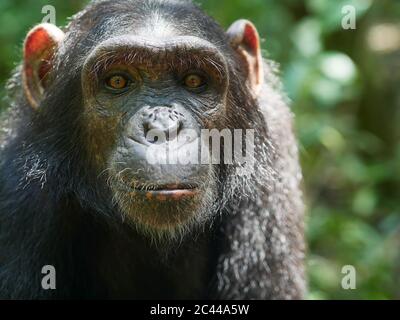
53,211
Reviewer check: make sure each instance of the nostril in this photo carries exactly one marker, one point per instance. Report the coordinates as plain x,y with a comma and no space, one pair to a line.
161,125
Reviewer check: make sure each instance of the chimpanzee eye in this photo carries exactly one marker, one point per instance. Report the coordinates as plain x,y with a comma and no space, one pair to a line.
117,82
194,81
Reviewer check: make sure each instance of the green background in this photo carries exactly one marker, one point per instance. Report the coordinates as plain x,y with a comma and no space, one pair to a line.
345,88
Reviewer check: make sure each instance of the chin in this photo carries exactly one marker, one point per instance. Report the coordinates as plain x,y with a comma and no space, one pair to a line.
165,211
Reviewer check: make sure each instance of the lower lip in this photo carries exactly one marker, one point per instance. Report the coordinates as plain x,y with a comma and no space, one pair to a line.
165,195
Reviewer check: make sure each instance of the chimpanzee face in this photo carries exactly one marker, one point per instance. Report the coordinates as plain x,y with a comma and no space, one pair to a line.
146,101
149,89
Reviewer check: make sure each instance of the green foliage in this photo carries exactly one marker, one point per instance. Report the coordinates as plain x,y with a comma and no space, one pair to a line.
346,99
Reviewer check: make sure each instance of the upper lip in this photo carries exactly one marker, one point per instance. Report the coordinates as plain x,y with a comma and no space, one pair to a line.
165,187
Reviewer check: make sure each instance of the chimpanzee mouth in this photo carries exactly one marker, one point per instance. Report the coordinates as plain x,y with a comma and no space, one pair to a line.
165,192
165,187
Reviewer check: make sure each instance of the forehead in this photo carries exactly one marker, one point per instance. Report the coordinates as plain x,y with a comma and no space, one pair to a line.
163,20
155,19
157,26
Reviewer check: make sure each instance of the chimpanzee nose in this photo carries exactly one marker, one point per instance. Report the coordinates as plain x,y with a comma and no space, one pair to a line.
161,124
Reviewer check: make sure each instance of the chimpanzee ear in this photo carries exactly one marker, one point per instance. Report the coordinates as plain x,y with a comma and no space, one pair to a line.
40,45
244,38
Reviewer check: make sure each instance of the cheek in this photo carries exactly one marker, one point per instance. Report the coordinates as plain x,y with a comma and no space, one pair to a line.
215,118
208,110
102,135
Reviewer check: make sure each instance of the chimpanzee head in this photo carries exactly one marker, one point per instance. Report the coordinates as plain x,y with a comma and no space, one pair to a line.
132,84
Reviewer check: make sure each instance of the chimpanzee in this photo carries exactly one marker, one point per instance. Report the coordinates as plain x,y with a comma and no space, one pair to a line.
79,190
